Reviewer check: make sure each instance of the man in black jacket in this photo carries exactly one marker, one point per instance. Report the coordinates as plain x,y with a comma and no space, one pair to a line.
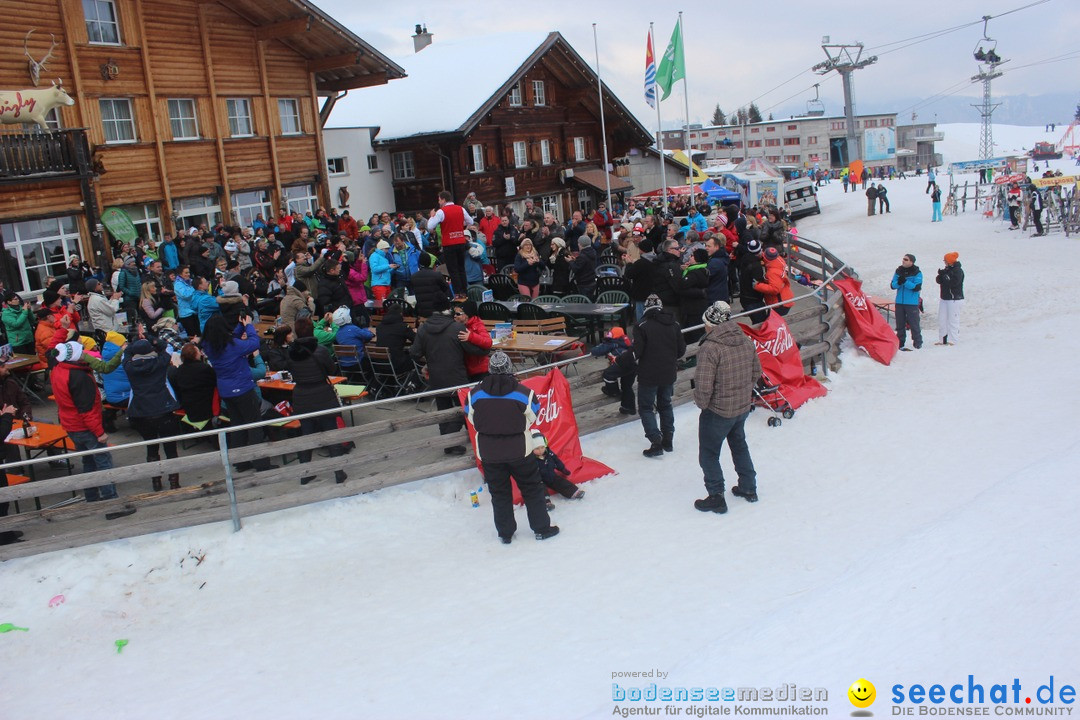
505,241
871,199
718,271
658,345
333,293
502,410
428,286
438,344
667,275
751,272
639,276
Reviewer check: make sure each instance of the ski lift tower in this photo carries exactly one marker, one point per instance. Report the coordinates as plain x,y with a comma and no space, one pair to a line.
986,54
845,59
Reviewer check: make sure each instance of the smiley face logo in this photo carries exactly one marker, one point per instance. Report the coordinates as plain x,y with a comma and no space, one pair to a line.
862,693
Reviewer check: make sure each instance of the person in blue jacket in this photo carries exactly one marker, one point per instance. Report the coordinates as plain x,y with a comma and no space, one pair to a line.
185,292
476,258
170,256
407,258
907,281
117,386
228,350
698,221
381,266
350,334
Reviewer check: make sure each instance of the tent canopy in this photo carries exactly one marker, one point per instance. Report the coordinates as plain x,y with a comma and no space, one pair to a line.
759,165
715,192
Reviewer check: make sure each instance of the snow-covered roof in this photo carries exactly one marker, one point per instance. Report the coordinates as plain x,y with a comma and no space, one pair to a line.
447,83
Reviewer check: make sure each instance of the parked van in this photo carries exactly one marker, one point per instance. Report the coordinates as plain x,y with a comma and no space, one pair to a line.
801,198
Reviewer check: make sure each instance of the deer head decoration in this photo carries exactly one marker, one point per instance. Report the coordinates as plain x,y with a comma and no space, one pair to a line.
37,66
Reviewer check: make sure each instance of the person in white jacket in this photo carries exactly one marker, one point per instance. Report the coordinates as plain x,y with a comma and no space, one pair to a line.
103,310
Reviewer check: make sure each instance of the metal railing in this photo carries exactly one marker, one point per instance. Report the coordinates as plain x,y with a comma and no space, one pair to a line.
221,433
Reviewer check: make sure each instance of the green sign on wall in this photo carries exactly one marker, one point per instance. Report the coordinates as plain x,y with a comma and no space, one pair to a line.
119,225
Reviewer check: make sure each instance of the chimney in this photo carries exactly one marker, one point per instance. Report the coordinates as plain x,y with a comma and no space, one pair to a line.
421,39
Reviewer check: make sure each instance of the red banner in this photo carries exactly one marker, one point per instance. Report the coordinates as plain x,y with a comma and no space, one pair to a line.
780,361
868,328
558,424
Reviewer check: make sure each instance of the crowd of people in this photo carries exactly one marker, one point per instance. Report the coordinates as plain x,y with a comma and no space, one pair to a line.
171,330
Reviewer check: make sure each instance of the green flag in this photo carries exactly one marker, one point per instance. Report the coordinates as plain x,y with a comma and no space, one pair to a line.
672,65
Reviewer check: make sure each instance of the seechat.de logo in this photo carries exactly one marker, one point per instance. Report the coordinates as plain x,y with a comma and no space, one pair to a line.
862,693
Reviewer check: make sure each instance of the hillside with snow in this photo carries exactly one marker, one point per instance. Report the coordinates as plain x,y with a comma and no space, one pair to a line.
916,526
962,140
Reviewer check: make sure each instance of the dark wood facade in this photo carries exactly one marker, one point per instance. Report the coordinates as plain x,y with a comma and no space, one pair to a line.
570,109
208,56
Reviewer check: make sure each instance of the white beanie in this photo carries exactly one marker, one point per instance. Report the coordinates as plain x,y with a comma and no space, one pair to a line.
69,351
342,316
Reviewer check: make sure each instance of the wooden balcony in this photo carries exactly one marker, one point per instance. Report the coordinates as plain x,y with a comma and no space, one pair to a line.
41,156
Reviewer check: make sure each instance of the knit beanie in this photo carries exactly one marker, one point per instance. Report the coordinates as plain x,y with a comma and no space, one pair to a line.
653,302
951,258
717,313
68,352
500,364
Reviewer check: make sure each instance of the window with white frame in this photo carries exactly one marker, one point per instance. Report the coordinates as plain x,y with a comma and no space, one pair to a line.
194,212
247,205
373,162
289,112
539,99
146,219
550,204
579,149
101,23
477,152
239,112
403,165
337,166
300,197
52,119
117,120
584,201
182,119
35,249
521,154
545,152
515,95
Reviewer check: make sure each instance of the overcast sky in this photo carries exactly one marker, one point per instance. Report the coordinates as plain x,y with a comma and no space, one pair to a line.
737,52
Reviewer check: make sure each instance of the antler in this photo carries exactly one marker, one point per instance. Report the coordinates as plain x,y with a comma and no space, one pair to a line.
26,50
48,55
35,66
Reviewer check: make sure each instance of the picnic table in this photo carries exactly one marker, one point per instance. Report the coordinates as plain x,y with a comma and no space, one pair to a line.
19,365
48,437
593,313
543,346
288,386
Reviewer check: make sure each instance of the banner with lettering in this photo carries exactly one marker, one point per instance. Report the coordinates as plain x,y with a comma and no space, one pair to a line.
868,328
558,424
780,361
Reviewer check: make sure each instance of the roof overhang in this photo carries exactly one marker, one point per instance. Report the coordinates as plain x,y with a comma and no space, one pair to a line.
339,59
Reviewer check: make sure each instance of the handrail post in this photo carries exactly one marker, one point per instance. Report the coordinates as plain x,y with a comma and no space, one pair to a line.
233,510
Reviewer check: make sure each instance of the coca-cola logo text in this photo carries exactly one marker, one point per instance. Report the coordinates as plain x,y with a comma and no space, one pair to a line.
857,301
549,408
778,345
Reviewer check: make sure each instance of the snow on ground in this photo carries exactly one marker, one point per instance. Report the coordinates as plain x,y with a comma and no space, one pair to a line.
916,525
962,141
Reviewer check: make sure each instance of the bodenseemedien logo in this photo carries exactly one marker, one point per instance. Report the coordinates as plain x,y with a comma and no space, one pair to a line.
862,694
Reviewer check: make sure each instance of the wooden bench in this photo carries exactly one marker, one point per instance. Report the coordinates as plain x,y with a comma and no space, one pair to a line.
13,479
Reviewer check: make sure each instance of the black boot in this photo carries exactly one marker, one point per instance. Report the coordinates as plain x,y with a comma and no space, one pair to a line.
667,441
713,503
654,450
747,496
551,532
155,482
306,479
611,390
340,476
174,481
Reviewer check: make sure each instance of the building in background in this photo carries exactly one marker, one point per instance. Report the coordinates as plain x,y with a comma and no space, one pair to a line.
186,112
801,143
358,172
505,116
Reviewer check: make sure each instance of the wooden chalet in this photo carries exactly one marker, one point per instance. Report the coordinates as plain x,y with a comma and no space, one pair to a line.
185,112
505,116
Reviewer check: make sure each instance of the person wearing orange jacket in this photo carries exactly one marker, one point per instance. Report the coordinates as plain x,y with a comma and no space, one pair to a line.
476,333
777,286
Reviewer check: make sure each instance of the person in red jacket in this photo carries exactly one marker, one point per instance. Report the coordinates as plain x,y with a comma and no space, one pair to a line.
777,285
452,220
347,225
602,220
489,224
476,366
78,404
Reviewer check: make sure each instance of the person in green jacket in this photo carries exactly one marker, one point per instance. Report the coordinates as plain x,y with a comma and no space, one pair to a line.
18,323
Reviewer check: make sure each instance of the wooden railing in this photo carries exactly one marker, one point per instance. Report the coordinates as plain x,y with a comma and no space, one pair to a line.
26,157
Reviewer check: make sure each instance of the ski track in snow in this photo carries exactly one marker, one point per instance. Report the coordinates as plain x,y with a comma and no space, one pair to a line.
915,525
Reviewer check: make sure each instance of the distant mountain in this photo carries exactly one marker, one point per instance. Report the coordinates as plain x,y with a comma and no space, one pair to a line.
1014,109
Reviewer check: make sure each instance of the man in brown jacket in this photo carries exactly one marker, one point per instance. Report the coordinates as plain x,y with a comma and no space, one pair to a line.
727,368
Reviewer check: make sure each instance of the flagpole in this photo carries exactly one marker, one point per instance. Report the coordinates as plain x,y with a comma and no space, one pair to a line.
686,96
660,134
603,128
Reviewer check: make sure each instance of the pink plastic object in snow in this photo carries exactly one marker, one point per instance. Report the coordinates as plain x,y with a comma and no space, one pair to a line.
57,600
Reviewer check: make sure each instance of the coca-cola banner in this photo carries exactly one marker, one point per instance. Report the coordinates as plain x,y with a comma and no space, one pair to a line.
558,424
780,361
868,328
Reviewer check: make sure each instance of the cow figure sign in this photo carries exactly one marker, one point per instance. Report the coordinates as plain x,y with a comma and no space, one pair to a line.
32,105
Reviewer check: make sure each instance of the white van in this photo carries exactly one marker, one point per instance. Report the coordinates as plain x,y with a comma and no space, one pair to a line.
800,198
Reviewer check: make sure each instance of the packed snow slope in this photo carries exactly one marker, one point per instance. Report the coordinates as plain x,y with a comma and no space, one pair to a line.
917,525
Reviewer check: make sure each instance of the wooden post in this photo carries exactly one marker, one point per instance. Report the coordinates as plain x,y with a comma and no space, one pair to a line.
322,185
148,73
215,112
260,50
